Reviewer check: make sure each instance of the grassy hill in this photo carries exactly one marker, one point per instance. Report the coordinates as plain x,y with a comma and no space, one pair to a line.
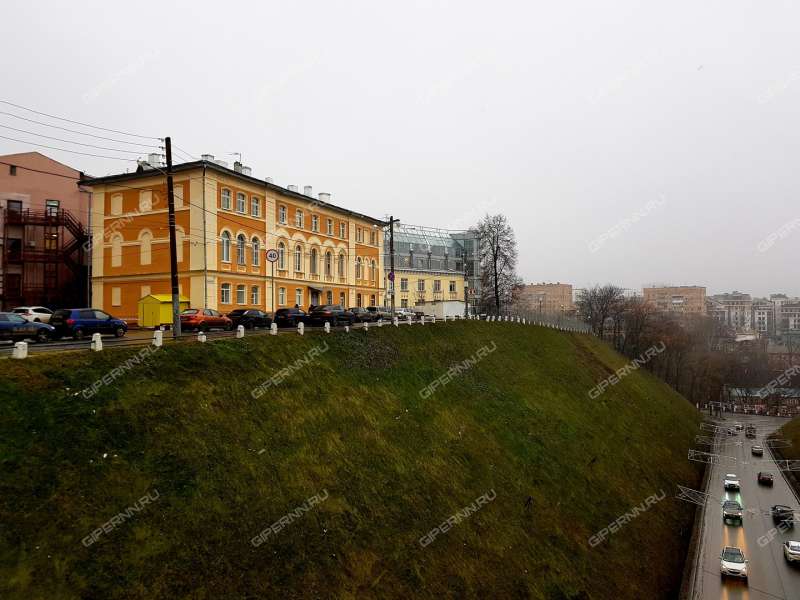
350,463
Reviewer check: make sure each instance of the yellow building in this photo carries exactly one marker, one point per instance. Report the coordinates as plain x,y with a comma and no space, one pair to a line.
415,288
225,221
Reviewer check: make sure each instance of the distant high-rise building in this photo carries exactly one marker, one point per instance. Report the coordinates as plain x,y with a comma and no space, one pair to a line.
738,310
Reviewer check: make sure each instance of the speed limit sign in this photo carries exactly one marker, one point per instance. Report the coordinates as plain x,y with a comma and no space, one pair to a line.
272,255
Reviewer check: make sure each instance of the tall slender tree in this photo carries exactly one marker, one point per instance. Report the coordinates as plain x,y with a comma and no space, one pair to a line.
498,255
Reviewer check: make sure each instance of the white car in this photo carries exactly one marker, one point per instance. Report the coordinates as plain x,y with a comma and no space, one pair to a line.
733,563
791,551
731,482
404,313
34,314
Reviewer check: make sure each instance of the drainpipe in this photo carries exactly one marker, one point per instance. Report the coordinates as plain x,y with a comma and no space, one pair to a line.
205,246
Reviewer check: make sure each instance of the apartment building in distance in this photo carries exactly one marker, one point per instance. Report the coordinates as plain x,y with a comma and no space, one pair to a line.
226,219
43,233
547,298
734,309
437,271
682,299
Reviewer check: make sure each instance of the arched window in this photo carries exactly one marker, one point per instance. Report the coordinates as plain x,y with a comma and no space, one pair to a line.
298,259
226,246
145,248
342,263
358,267
179,237
328,265
313,265
116,250
256,253
241,242
281,255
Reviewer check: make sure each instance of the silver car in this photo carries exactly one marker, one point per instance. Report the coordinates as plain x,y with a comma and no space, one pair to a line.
34,314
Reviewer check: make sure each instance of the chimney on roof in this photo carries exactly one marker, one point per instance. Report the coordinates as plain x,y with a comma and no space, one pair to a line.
291,188
247,170
307,190
237,166
154,159
207,157
324,197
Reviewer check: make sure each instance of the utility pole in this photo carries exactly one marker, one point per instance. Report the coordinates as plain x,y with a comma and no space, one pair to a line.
173,246
392,221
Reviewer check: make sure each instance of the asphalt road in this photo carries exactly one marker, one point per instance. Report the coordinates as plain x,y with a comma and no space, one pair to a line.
770,576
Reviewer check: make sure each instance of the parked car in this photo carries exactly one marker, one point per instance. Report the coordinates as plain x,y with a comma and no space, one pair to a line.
739,426
731,482
290,317
791,551
35,314
765,478
331,313
204,319
404,313
380,312
757,450
77,323
782,514
731,510
362,315
733,563
249,318
16,328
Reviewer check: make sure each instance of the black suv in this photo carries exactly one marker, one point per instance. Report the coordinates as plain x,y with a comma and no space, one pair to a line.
290,317
782,514
331,313
249,318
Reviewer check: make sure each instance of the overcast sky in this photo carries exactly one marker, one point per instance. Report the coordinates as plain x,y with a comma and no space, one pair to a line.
626,143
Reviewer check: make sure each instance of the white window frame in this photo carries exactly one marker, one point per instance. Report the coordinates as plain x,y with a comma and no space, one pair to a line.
241,249
241,293
255,206
256,260
281,296
223,197
282,214
225,293
255,295
225,250
315,223
298,296
299,218
329,226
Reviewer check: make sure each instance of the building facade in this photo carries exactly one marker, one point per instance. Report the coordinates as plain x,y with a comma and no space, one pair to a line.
547,298
684,299
43,232
225,221
735,310
434,265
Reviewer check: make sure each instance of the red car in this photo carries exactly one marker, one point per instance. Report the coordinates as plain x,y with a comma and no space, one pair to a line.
204,319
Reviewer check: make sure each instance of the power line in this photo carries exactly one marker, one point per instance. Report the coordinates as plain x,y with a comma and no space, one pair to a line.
146,137
70,141
65,149
99,137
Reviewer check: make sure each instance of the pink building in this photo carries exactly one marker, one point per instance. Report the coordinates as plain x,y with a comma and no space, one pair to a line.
44,217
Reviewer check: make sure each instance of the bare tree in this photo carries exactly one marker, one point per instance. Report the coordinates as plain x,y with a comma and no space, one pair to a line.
597,304
498,255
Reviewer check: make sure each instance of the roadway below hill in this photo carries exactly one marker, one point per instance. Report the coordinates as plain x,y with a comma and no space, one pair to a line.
770,576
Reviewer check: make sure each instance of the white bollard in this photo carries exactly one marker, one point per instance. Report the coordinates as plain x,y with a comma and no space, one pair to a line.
240,331
97,342
301,328
273,329
366,326
410,320
158,338
327,327
395,321
445,318
422,320
380,322
20,350
347,328
433,320
201,337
